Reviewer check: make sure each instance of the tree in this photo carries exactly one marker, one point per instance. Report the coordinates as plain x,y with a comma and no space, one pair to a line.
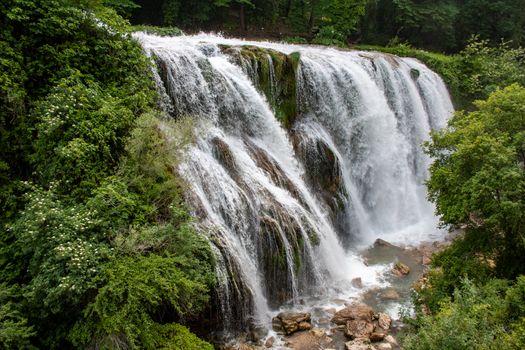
412,18
493,20
241,4
344,15
478,176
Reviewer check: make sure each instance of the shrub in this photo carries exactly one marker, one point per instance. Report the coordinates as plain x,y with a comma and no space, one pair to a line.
329,36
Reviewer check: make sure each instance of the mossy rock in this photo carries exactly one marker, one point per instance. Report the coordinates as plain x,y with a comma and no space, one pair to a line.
274,74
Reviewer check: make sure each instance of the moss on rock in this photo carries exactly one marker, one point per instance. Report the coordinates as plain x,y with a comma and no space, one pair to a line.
274,74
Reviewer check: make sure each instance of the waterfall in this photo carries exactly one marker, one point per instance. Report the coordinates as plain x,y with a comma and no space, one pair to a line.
304,155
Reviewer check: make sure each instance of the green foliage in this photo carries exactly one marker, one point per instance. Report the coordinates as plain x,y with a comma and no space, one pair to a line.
57,244
80,131
477,180
476,319
295,40
412,17
137,292
477,176
453,22
492,20
343,15
179,12
89,195
468,256
14,328
160,31
226,3
329,36
485,68
123,7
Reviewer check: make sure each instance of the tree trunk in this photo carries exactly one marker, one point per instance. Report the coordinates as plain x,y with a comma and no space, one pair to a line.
287,8
311,19
242,18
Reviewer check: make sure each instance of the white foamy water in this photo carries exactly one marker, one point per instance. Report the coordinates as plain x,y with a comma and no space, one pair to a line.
276,239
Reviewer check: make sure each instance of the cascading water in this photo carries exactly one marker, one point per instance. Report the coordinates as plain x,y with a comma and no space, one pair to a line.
291,175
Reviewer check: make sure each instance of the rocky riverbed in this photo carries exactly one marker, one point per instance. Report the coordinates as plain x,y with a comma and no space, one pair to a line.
368,322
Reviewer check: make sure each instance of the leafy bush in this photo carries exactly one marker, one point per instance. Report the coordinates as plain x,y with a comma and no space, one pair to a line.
295,40
477,177
14,328
486,68
477,180
139,294
160,31
480,316
474,320
329,36
90,198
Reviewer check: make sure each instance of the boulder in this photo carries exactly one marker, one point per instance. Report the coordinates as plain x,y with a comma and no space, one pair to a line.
312,340
400,269
291,322
318,333
377,337
304,326
358,345
382,243
391,340
357,283
384,321
359,329
355,311
384,346
269,342
247,347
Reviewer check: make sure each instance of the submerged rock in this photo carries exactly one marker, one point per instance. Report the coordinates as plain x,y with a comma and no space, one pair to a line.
390,294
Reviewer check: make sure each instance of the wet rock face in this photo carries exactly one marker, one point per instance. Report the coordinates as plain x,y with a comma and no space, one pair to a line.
273,259
323,169
274,171
224,155
291,322
353,312
323,173
274,74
